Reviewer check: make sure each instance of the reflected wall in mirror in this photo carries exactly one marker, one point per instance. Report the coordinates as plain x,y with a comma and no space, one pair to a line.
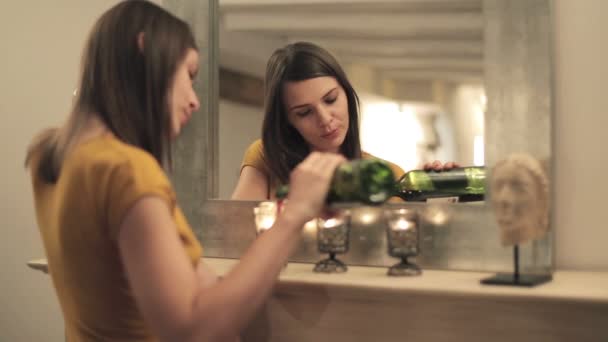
417,67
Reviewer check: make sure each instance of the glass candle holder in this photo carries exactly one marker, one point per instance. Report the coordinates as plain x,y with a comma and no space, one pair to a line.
402,234
265,215
332,238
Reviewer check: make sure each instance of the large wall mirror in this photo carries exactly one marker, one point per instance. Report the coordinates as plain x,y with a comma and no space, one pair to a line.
463,80
417,67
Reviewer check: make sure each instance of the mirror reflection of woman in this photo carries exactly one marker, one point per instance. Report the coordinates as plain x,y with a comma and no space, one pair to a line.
309,106
124,262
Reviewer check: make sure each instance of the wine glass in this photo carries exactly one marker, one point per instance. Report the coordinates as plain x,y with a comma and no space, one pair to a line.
402,233
332,238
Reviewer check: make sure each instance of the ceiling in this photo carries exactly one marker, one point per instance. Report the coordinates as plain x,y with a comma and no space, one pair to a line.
400,39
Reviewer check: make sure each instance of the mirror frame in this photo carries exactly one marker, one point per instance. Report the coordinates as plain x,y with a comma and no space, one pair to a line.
518,73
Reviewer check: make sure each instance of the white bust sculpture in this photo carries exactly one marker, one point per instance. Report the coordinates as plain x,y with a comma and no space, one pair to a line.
520,198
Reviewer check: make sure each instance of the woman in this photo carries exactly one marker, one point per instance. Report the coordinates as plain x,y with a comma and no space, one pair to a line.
124,262
309,106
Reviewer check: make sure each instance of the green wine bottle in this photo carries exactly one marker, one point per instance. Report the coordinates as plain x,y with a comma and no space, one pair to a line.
369,181
466,183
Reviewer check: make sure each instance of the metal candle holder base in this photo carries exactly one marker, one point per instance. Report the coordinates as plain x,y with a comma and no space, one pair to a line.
330,265
404,268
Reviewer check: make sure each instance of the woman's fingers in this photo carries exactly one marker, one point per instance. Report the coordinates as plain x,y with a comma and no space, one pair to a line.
309,183
438,166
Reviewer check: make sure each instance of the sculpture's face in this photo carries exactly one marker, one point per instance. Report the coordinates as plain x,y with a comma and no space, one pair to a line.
518,203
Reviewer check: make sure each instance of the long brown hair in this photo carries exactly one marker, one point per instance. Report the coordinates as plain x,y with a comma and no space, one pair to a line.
122,83
284,147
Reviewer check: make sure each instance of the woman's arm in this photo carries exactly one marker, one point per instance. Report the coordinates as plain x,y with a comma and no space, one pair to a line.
167,288
206,275
252,185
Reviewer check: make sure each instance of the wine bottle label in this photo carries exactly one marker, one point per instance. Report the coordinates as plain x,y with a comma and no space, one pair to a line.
453,199
476,180
464,184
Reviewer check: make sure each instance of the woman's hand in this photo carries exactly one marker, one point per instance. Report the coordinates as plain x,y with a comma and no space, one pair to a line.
438,166
309,183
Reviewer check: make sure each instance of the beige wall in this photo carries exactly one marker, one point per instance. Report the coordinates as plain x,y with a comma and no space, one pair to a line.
41,46
41,43
581,159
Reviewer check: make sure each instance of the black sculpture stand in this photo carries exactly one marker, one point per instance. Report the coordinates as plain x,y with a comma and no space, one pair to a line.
516,279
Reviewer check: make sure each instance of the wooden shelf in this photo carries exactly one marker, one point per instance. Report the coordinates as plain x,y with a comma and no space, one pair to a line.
364,304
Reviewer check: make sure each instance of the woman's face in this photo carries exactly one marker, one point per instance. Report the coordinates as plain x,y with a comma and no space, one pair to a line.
318,109
183,100
516,201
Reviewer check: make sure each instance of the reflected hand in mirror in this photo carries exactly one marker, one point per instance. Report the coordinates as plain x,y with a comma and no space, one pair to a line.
438,166
520,198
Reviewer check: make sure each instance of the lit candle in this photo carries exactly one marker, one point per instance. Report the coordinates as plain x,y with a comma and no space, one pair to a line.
310,227
402,232
264,222
403,224
332,233
265,215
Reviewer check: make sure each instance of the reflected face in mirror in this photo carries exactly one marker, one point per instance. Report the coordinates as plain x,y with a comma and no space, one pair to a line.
520,199
182,97
318,109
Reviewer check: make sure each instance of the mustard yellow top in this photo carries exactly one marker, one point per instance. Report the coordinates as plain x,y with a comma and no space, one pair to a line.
78,218
254,157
